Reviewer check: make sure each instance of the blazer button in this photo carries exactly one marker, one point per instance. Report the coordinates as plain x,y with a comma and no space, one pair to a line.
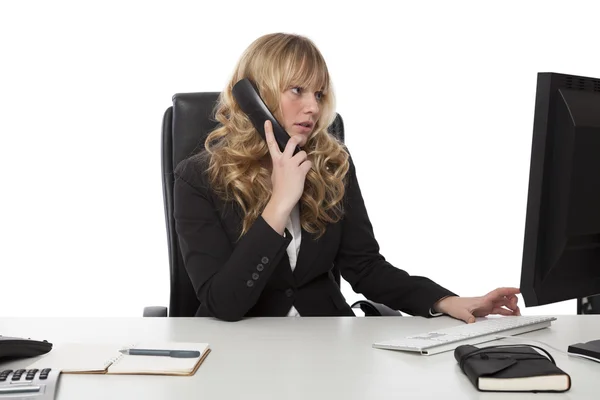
289,293
260,267
264,260
250,283
255,276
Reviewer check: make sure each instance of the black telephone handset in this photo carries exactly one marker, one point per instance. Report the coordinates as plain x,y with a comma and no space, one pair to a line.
247,96
14,347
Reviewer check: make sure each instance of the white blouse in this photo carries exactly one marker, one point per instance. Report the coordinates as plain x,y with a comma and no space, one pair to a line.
294,227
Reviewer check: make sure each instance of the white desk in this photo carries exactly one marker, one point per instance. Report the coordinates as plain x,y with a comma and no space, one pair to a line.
297,358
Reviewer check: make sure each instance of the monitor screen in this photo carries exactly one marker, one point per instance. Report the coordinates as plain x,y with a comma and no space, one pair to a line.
561,251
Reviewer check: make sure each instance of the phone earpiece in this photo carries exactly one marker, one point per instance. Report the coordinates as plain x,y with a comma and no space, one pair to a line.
248,98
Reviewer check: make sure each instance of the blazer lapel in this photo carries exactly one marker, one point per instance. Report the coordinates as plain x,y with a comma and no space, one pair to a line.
309,249
284,271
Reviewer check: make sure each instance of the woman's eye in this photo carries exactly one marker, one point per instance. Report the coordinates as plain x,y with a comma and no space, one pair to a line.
297,90
319,95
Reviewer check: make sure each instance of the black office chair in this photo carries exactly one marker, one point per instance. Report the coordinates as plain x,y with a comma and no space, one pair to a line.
185,127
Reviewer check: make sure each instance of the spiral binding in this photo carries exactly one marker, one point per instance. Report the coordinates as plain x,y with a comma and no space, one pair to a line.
118,358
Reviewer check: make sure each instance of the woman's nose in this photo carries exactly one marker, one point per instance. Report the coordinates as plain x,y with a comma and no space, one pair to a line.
311,104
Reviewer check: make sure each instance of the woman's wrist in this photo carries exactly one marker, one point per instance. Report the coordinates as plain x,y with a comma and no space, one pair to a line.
441,305
276,216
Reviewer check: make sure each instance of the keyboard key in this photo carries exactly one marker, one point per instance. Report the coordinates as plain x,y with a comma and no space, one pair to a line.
31,374
17,375
4,374
44,373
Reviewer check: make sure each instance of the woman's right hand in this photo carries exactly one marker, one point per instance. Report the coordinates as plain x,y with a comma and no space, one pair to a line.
288,176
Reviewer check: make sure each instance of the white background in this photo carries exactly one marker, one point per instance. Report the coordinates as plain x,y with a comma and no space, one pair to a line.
437,100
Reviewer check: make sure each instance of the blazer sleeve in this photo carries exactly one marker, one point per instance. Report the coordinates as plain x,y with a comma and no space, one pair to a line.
227,278
368,272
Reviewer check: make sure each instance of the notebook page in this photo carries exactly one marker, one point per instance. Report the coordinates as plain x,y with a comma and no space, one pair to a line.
80,357
159,365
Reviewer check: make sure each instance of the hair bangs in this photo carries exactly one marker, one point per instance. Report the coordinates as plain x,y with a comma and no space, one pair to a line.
305,67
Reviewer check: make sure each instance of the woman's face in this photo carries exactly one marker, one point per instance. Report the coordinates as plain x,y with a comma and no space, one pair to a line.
300,108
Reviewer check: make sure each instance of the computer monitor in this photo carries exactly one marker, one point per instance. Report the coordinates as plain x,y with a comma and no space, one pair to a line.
561,250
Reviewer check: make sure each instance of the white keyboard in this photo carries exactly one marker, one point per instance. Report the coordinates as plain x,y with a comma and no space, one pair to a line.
448,339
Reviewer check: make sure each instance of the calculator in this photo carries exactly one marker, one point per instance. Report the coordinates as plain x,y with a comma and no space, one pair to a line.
34,384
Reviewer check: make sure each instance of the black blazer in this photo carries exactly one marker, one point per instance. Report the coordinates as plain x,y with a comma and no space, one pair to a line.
251,276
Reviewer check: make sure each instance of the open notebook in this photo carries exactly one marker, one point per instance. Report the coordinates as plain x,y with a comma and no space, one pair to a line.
105,358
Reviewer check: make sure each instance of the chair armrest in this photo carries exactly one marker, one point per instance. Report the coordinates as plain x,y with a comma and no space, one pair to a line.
372,309
155,311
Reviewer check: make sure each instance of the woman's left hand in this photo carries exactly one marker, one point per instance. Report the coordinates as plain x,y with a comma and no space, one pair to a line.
501,301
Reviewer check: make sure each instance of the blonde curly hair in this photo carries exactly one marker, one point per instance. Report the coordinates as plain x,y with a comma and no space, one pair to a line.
238,156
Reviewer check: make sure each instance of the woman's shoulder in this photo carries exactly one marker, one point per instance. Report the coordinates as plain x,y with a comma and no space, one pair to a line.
351,168
193,170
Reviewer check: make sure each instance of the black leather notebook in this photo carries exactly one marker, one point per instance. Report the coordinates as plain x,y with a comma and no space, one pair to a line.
511,368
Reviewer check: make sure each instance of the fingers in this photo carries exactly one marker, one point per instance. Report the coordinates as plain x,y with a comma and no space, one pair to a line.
465,315
502,311
509,302
300,157
512,299
291,146
271,143
274,147
504,291
505,301
306,166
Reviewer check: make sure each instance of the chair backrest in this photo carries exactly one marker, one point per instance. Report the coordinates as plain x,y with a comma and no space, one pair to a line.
186,125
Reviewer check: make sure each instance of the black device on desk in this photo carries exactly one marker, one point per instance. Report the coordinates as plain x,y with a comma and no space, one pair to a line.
561,249
21,383
15,348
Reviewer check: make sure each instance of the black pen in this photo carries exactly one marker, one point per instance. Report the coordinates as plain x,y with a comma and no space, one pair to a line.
163,353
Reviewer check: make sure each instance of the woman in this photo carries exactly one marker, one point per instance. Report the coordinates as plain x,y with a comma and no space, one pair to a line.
261,230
